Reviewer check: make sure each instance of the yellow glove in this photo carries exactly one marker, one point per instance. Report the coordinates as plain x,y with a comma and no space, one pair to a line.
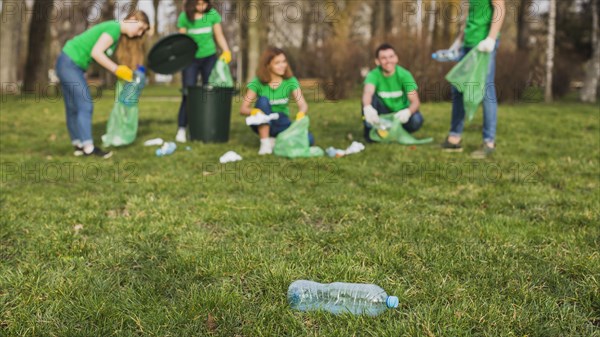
254,112
124,73
383,133
300,115
226,56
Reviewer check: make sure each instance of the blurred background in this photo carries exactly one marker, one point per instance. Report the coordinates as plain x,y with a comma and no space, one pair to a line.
330,43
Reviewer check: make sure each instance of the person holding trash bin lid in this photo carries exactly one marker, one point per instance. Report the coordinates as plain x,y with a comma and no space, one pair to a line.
97,43
482,31
271,89
203,24
390,89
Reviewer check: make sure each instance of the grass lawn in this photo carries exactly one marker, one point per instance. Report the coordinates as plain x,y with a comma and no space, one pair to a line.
184,246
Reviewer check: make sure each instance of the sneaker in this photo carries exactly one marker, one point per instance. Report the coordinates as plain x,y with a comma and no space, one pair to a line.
484,152
266,147
97,152
78,151
449,147
181,136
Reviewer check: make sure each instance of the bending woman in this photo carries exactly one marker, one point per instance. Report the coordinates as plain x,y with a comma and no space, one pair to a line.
97,43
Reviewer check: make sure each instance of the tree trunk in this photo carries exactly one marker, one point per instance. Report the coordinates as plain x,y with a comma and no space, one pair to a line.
242,36
523,25
419,19
133,6
155,37
375,18
108,13
550,50
256,32
36,67
589,91
11,16
388,17
155,3
431,23
307,21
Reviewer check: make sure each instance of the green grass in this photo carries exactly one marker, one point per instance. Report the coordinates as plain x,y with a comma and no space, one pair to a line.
182,246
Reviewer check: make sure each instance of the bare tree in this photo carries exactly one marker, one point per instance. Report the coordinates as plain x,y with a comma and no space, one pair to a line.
592,74
431,23
11,21
107,13
382,19
523,25
154,38
307,24
36,66
155,3
257,25
108,10
388,17
550,50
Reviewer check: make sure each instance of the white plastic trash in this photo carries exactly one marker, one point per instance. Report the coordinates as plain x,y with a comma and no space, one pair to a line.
154,142
261,118
355,147
230,157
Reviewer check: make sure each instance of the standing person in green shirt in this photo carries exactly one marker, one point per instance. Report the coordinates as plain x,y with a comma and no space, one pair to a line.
482,31
390,89
203,24
97,43
271,89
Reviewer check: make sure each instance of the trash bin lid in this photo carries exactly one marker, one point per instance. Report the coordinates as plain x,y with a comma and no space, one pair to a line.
172,53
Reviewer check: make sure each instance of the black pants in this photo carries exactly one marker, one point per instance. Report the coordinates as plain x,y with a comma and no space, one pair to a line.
202,66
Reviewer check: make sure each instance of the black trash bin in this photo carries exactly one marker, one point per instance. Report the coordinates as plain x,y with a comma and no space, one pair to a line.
209,113
208,108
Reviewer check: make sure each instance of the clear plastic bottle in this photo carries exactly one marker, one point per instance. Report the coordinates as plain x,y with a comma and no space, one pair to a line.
383,125
334,153
338,297
165,150
132,90
139,76
451,54
446,55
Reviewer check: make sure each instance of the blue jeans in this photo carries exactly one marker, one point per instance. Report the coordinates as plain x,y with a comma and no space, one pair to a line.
490,104
78,100
202,66
414,123
279,125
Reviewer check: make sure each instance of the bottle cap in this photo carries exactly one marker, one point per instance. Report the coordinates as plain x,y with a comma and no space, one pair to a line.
392,302
141,68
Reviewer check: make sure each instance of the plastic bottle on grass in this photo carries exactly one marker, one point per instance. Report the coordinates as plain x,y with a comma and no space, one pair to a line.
167,149
338,298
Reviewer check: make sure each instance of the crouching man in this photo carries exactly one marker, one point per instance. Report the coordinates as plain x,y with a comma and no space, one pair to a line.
390,89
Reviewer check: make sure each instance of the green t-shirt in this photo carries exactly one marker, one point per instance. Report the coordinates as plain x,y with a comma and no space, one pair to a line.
201,30
392,90
79,48
479,22
279,97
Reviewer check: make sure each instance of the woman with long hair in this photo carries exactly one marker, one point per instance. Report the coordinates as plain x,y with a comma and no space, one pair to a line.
202,23
272,89
97,43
